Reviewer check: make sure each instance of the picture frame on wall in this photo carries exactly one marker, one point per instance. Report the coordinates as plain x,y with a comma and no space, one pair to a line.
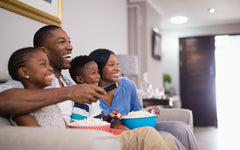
156,45
46,11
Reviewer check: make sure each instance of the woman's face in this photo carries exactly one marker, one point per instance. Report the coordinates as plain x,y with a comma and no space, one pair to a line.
110,71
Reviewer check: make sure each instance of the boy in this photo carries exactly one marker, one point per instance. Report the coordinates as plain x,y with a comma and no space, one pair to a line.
84,70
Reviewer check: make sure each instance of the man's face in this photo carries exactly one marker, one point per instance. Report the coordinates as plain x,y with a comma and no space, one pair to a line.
58,49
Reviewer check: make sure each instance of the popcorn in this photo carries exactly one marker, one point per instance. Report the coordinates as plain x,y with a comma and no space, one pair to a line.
89,122
138,114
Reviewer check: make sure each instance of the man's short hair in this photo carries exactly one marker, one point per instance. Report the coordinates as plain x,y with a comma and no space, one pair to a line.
42,34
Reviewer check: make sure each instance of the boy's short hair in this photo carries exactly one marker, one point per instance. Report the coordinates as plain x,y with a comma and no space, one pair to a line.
77,65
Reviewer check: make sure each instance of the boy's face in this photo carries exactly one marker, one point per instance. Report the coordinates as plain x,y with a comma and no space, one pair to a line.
90,74
38,70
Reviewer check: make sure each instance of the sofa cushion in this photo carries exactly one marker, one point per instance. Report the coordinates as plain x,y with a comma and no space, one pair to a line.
4,121
34,138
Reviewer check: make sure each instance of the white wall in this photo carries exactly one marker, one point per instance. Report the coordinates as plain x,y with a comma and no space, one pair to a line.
154,67
90,24
170,46
16,32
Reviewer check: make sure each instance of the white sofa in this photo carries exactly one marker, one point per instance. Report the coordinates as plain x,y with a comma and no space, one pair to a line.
32,138
176,114
28,138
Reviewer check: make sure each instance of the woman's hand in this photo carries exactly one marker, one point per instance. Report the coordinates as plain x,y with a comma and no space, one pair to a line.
155,110
115,115
112,115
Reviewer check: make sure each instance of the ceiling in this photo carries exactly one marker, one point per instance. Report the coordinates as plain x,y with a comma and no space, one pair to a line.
227,12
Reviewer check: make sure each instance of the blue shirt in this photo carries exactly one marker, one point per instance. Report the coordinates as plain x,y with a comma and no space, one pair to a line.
125,98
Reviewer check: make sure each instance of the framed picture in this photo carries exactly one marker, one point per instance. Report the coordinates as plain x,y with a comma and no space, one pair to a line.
156,45
46,11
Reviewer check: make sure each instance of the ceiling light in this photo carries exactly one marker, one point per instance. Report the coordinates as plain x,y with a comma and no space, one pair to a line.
179,19
212,10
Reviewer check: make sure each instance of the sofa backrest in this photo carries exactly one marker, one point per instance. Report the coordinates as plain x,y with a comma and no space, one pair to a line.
4,121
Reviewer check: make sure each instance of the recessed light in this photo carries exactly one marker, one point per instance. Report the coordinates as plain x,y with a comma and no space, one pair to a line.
179,19
212,10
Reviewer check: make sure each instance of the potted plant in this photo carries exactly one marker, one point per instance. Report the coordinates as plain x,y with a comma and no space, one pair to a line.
167,81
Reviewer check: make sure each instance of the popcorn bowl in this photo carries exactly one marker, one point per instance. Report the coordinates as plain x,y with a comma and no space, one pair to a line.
133,123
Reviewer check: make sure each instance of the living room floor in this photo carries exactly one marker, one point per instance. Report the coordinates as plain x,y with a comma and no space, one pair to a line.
207,137
212,138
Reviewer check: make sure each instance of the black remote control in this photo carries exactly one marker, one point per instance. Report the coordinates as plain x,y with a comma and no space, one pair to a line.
110,86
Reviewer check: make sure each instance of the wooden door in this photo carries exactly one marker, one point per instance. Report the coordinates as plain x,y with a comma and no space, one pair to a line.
197,79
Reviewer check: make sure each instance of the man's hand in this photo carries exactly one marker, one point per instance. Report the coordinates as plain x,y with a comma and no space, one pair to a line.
86,93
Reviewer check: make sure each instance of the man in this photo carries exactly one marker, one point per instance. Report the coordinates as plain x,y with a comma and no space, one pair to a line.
55,42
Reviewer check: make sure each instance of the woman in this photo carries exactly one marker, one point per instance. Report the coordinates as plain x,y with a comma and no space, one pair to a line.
125,99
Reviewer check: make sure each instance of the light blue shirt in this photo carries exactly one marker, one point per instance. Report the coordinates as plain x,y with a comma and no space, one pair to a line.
125,98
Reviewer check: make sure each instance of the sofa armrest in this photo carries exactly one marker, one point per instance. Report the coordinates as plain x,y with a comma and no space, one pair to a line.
22,138
175,114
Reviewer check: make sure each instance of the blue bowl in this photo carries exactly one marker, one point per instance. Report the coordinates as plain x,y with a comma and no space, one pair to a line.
133,123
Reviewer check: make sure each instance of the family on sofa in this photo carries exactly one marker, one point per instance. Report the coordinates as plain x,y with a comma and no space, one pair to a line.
21,101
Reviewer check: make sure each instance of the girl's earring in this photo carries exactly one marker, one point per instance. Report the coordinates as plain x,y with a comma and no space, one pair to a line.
27,77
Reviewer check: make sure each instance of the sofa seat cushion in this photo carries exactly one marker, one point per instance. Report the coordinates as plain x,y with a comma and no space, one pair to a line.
4,121
22,138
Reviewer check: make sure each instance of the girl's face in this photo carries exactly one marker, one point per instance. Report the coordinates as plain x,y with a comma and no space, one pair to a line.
90,74
110,71
38,70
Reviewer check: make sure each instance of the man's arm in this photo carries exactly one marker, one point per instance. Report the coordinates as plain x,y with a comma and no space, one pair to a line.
22,101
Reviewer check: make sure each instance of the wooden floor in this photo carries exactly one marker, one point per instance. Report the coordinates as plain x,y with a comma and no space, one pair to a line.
211,138
207,137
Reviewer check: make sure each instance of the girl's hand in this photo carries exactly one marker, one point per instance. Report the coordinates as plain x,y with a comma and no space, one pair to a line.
155,110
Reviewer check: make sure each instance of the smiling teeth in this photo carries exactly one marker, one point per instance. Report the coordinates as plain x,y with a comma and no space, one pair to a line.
67,56
49,76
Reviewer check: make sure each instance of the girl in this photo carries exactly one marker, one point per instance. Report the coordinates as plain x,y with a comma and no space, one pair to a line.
31,66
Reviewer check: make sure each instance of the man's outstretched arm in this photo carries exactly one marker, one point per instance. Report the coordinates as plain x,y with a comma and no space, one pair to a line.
22,101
